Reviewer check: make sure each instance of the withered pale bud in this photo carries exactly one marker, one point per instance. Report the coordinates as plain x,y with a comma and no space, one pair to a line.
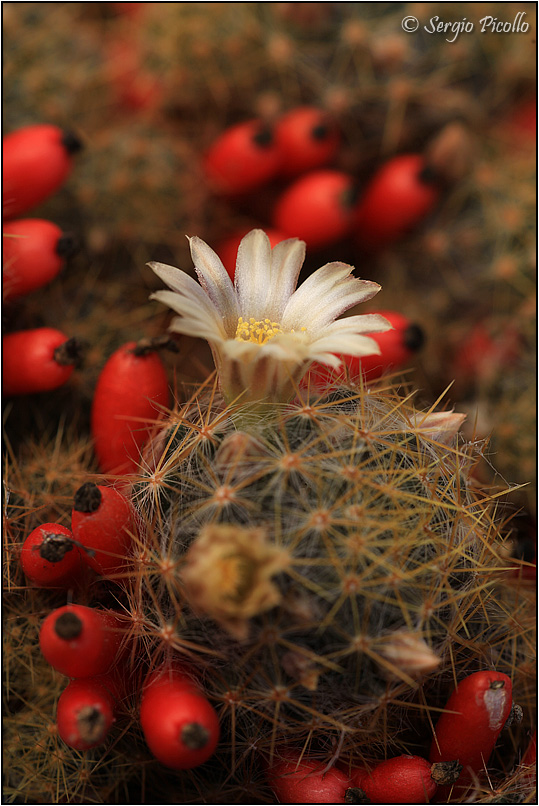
440,426
228,575
301,669
408,652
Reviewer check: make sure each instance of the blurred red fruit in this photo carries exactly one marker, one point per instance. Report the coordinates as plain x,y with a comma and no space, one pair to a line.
307,139
399,196
244,157
316,208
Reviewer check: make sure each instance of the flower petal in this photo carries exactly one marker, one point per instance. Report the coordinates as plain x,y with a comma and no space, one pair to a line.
194,320
216,283
344,344
252,274
284,346
174,278
185,288
286,261
325,295
362,323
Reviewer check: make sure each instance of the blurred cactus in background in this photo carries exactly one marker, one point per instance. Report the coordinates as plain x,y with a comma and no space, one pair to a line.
330,566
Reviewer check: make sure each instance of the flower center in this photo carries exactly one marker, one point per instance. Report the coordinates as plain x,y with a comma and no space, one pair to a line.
257,332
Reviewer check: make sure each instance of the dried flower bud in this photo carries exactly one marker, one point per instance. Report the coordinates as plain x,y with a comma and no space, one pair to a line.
409,652
441,426
301,669
228,575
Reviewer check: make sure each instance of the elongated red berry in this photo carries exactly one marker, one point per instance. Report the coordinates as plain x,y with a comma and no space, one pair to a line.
36,161
317,208
297,779
243,158
307,139
34,252
180,726
130,395
80,641
472,721
85,712
397,347
227,249
403,779
399,196
50,558
38,360
102,521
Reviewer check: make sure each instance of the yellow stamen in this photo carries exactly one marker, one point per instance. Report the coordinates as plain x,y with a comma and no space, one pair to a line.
257,332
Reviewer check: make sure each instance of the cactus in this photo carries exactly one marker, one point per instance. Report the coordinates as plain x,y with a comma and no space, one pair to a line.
274,627
337,547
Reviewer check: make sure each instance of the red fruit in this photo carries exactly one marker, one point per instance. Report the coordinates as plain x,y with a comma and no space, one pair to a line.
474,717
102,521
403,779
132,388
37,360
36,162
49,558
34,253
177,673
244,157
180,726
316,208
80,641
307,139
227,249
397,346
302,780
397,198
85,713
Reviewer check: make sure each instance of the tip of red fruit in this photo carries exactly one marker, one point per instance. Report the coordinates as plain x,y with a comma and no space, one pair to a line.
68,626
195,736
71,142
87,498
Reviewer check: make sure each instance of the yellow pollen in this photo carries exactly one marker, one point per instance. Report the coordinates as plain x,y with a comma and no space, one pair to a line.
258,332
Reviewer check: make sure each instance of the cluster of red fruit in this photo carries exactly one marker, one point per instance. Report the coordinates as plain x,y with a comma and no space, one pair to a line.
321,205
464,738
92,646
37,160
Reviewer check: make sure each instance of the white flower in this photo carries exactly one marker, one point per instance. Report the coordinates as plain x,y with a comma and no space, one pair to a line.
263,332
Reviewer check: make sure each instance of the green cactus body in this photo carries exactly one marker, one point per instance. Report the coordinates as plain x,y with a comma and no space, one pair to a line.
374,542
